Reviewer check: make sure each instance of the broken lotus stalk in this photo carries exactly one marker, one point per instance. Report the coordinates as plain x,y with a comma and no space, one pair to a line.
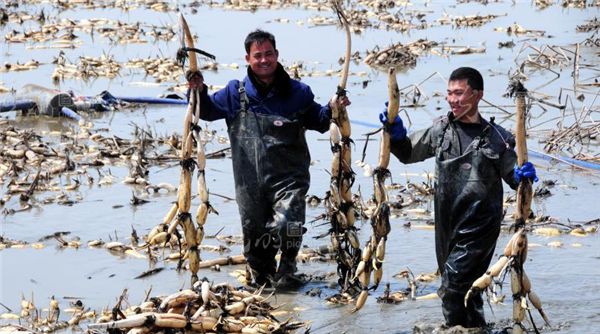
515,252
374,252
179,214
520,284
340,204
205,307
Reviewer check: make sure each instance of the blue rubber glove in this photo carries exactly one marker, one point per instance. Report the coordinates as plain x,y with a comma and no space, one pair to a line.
396,130
527,170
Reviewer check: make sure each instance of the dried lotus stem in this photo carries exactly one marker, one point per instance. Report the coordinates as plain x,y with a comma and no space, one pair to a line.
339,202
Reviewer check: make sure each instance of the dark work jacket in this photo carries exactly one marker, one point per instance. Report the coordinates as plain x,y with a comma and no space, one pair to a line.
468,194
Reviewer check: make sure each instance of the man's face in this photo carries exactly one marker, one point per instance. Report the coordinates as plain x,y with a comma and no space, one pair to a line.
463,100
262,59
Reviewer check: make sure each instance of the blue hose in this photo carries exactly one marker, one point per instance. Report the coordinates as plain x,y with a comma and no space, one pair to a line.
151,100
366,124
105,101
17,105
70,113
571,161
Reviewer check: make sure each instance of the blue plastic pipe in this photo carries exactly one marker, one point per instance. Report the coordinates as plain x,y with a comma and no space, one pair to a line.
104,101
70,113
151,100
571,161
17,105
366,124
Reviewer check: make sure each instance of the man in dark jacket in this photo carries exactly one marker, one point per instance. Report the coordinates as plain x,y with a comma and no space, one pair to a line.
267,114
472,158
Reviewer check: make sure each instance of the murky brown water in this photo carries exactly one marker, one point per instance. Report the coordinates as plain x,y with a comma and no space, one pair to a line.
565,277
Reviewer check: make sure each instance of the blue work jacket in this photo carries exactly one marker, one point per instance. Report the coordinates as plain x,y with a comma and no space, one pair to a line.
299,103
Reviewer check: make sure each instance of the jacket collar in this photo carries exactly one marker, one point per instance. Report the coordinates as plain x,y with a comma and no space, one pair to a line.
281,84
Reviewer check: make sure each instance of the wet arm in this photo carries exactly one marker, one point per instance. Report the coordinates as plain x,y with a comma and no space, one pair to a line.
317,116
219,105
416,147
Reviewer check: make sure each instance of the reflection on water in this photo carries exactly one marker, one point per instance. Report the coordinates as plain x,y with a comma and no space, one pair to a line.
565,277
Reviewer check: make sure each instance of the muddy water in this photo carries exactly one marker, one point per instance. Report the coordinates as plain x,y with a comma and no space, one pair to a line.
565,277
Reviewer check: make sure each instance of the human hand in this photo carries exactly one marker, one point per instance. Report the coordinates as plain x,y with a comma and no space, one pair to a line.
527,170
396,130
195,79
339,101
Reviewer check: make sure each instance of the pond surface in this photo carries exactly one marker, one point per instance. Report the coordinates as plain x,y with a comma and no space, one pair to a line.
565,277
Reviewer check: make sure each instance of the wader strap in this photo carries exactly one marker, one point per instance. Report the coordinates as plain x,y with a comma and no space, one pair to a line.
442,135
243,97
493,124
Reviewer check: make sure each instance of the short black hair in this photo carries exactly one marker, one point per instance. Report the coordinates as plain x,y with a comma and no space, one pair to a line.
259,36
474,78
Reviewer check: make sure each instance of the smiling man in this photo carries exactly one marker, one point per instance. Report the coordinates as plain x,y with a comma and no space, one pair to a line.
472,158
464,98
267,114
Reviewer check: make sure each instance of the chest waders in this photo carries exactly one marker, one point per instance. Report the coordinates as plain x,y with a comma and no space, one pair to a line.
270,167
468,213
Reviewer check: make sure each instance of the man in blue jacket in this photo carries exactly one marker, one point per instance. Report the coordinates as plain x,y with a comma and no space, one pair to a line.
267,114
472,157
